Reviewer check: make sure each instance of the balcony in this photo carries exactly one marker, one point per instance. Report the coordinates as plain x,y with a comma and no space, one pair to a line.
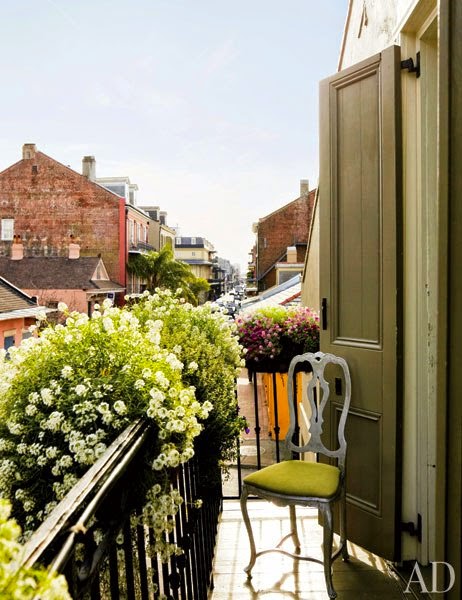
364,577
113,566
139,247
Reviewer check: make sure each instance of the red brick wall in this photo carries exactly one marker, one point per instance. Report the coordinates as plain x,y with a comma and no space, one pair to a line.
286,226
49,202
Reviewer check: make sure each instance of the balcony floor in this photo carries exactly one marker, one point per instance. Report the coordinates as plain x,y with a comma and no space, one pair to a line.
364,577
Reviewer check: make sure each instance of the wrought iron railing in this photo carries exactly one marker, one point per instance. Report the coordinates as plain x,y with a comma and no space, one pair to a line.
265,437
118,563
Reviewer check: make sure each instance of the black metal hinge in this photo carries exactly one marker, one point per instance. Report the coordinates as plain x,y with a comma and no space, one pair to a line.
324,313
410,66
412,530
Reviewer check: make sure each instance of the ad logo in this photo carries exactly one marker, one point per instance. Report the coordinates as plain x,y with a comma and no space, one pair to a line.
417,577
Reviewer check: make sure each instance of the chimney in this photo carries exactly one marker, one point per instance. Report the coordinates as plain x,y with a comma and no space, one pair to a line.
28,151
74,249
304,187
291,254
17,249
89,167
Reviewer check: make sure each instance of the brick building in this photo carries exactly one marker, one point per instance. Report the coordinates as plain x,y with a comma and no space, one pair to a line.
281,240
45,203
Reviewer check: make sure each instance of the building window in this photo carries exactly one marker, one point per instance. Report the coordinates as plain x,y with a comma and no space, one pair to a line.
178,241
7,229
193,241
132,232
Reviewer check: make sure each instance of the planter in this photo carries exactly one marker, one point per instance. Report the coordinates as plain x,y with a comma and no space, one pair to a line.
278,364
268,365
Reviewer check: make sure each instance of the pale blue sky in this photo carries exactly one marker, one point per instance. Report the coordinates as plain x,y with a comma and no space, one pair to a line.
210,106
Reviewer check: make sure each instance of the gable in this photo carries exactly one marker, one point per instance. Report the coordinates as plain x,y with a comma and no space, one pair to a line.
368,29
13,299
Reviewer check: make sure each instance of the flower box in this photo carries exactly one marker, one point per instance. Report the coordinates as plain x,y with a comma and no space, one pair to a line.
273,336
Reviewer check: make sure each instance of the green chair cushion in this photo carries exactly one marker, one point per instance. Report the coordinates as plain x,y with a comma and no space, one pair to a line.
297,478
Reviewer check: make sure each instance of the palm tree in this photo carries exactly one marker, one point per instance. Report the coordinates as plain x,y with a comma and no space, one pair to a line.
161,270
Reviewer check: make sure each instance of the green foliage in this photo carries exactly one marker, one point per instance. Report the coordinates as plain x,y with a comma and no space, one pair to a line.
20,583
206,342
200,288
162,270
66,394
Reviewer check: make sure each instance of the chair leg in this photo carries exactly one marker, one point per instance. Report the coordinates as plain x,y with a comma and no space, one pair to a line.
245,514
343,530
327,549
293,529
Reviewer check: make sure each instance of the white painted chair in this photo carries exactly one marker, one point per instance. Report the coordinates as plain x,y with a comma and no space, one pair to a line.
296,482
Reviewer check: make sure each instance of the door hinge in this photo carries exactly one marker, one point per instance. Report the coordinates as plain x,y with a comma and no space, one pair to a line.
410,66
324,313
412,530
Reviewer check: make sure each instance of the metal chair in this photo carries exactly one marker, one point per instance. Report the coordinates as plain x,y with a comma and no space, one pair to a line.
296,482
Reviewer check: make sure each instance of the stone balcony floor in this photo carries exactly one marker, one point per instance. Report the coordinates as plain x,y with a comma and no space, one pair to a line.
364,577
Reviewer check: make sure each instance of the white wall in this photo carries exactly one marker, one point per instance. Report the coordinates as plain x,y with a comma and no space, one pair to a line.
369,29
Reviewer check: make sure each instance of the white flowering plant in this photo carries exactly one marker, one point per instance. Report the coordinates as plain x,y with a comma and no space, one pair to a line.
18,582
66,393
205,340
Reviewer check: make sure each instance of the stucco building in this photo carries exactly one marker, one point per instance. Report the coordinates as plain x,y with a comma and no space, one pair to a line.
18,312
79,282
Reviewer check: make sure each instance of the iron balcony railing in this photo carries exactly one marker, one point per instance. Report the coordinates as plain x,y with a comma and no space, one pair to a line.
140,247
120,564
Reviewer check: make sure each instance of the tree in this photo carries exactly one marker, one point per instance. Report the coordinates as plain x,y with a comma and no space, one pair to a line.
200,287
161,270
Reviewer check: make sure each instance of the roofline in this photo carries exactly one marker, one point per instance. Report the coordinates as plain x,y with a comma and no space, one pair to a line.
139,210
16,288
345,29
25,312
285,206
116,196
310,233
99,291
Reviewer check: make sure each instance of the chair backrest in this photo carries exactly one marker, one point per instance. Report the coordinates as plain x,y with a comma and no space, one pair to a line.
318,383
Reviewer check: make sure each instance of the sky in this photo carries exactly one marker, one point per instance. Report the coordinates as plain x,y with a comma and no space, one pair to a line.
209,106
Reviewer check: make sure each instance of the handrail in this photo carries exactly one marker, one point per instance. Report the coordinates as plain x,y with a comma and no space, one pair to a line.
107,499
103,474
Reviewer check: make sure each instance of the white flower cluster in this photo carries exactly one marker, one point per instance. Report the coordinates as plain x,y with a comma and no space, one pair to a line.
71,390
159,514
